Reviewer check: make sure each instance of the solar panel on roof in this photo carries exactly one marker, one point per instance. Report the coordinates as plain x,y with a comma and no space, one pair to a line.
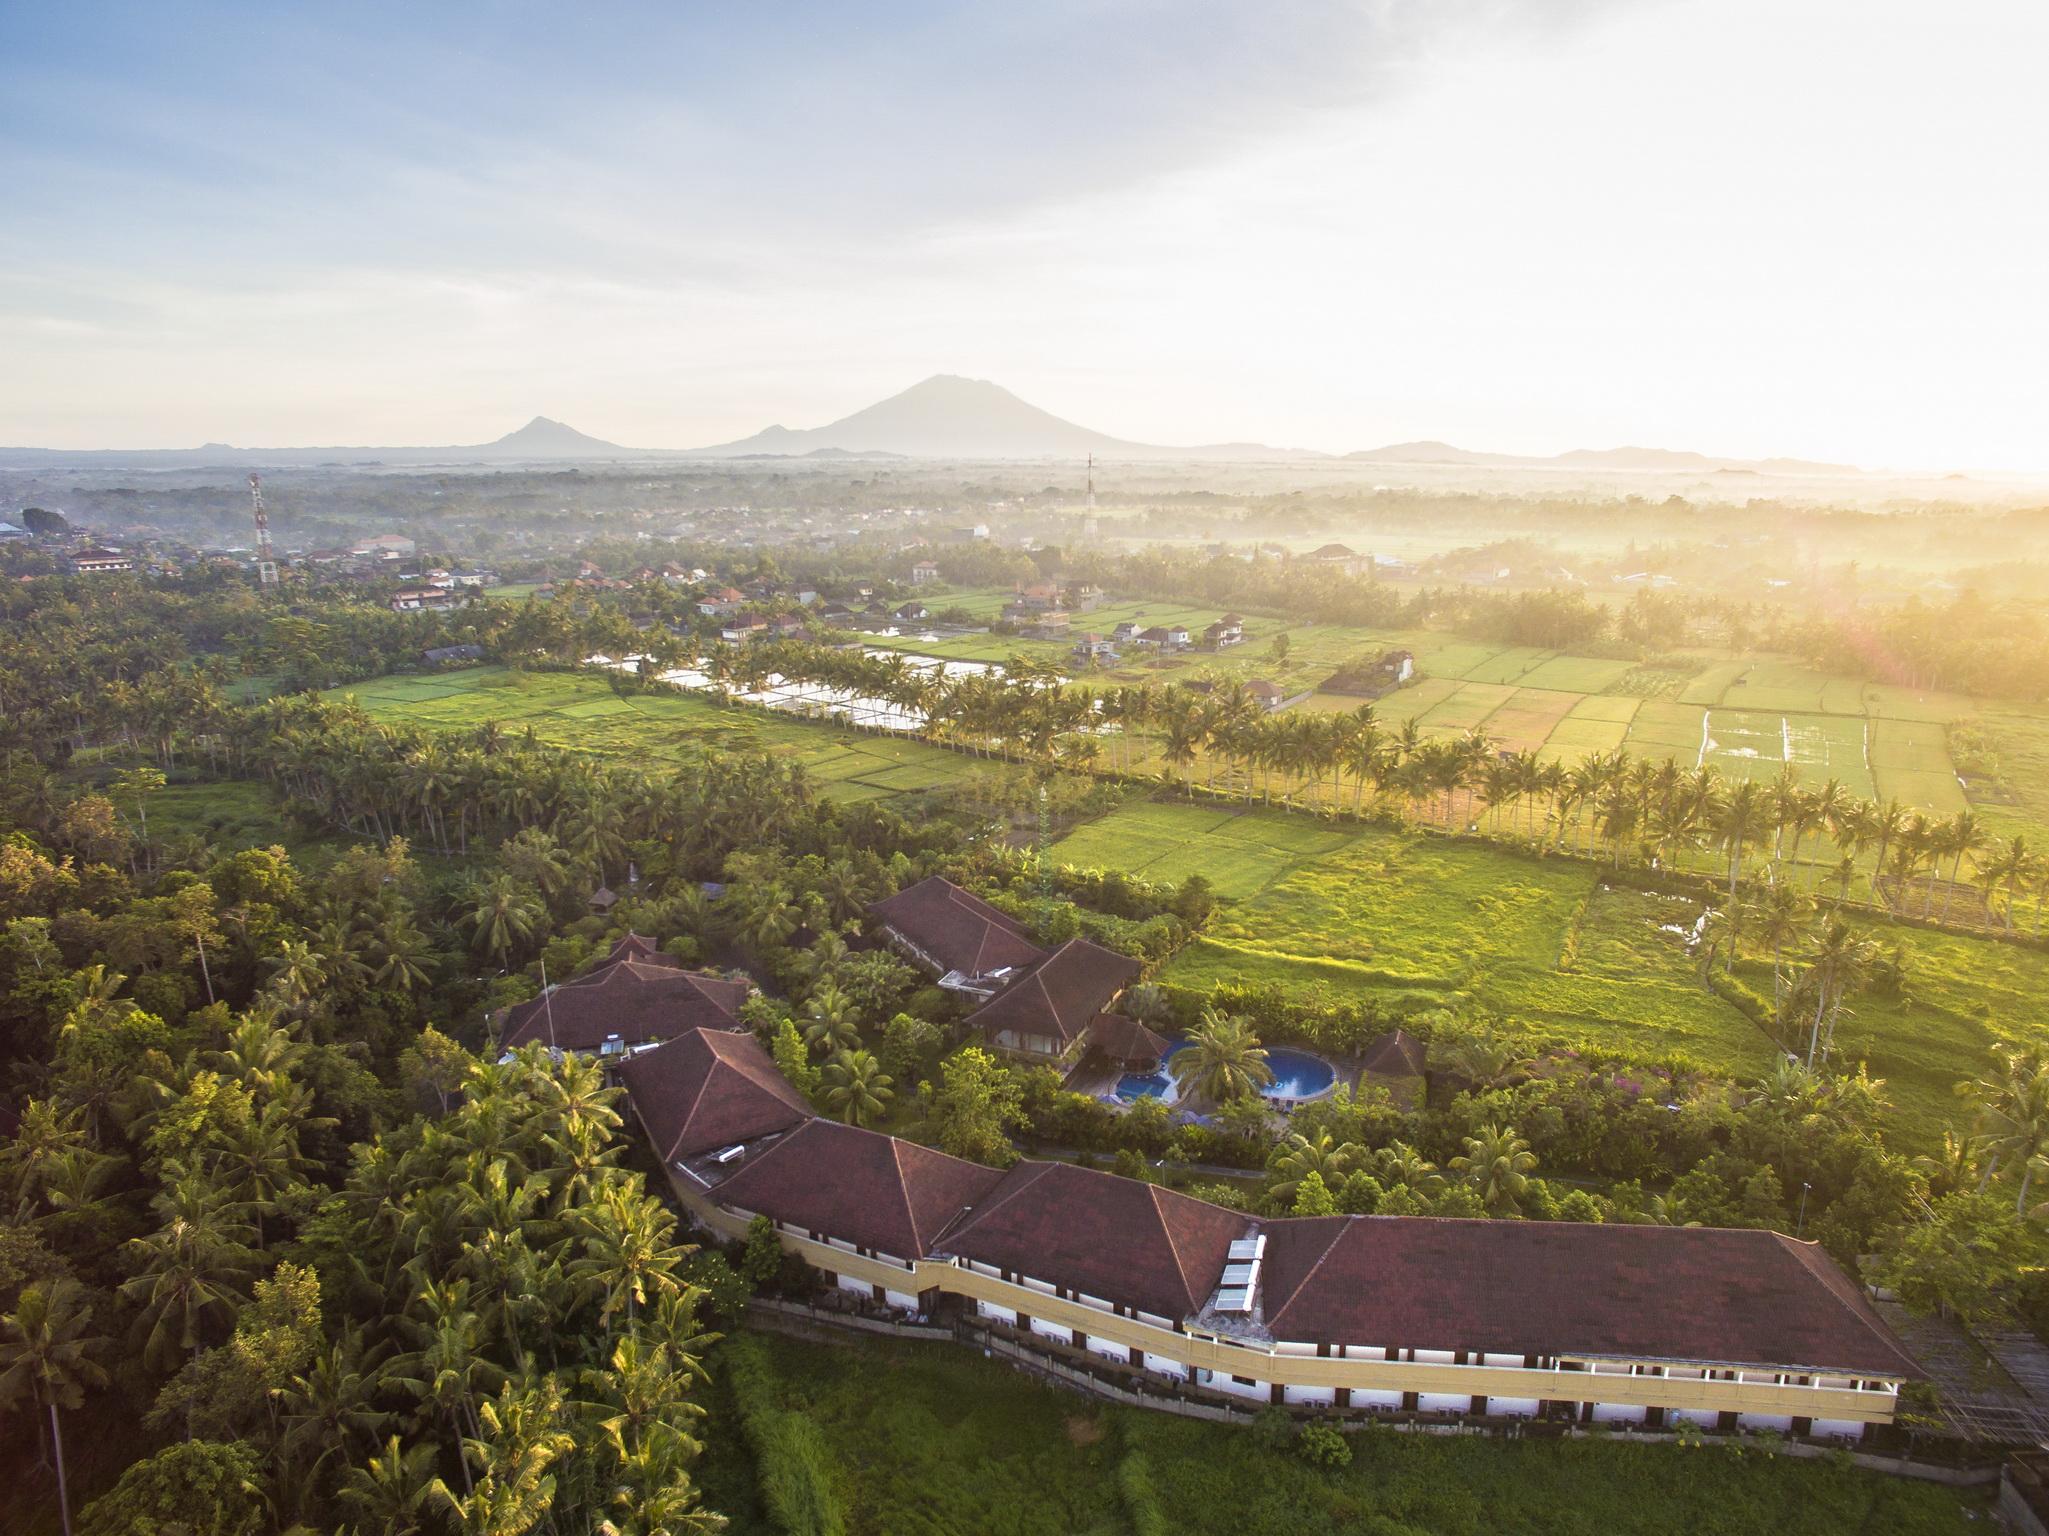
1234,1300
1238,1276
1245,1248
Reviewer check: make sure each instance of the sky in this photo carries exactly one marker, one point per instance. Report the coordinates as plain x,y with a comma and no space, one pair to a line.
1747,227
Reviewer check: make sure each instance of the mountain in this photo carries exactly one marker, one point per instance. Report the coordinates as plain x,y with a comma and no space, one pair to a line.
949,417
1636,460
545,439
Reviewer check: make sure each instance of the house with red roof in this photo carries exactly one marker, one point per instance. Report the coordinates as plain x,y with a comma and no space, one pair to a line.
637,998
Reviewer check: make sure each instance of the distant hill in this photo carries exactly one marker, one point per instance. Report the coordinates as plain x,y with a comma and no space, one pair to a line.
545,439
949,417
1638,460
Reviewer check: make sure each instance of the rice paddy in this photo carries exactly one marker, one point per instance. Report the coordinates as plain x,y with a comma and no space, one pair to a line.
580,710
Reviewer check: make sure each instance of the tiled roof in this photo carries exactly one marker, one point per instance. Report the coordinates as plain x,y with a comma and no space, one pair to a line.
1060,994
708,1089
859,1186
1124,1039
959,930
1121,1241
636,1000
1398,1054
636,946
1734,1297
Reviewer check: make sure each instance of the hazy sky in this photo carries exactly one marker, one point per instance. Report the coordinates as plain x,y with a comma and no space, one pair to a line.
1745,226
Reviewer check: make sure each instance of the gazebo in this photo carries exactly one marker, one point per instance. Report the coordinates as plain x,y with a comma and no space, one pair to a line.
1127,1043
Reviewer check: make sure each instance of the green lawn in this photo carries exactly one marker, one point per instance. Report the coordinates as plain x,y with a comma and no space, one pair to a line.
932,1440
580,710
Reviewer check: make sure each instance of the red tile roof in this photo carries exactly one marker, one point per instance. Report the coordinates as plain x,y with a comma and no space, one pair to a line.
860,1186
708,1089
637,946
1732,1297
1060,994
636,1000
960,931
1116,1239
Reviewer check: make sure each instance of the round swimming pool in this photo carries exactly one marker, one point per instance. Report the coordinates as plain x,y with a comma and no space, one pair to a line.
1298,1078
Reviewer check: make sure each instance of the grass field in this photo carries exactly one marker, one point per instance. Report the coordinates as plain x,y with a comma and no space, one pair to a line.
931,1440
580,710
1409,921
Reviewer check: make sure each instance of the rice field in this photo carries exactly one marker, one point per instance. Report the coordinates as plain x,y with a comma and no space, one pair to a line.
1408,923
579,710
1749,716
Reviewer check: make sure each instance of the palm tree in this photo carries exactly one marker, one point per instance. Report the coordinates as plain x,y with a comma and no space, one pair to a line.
1400,1166
1222,1062
856,1087
519,1436
1497,1164
192,1270
829,1025
1321,1154
502,919
2013,1114
391,1490
628,1254
1842,958
1963,835
46,1353
1744,815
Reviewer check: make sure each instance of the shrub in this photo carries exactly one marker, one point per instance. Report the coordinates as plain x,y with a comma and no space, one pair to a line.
791,1459
1324,1445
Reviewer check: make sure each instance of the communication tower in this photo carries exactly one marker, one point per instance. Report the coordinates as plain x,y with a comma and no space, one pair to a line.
266,557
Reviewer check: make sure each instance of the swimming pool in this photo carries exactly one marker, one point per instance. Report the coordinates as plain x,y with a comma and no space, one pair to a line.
1298,1078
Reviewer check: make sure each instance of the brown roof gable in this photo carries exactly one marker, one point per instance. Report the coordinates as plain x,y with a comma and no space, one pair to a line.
959,930
1124,1039
1060,994
637,946
708,1089
1124,1242
1398,1054
859,1186
636,1000
1734,1297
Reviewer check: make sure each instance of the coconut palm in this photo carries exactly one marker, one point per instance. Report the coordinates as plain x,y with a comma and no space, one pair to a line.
1223,1060
829,1025
1319,1153
2013,1114
193,1270
1400,1166
46,1355
390,1491
856,1087
1497,1165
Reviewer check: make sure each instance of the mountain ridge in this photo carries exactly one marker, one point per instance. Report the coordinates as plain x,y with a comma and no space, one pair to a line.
945,416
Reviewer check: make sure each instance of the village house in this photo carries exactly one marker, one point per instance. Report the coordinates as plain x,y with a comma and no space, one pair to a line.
395,545
1052,624
1338,557
1164,637
912,612
1127,631
637,998
717,604
1227,631
1087,597
1093,650
1272,697
421,599
100,561
924,572
1438,1320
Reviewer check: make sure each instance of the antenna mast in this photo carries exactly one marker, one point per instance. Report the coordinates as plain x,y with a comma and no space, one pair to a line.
266,557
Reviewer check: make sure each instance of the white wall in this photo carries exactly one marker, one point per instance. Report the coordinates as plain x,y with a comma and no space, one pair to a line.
1046,1330
1375,1399
859,1287
1512,1407
1443,1402
1309,1394
1782,1422
1851,1427
1165,1366
1706,1418
1000,1314
902,1299
1223,1381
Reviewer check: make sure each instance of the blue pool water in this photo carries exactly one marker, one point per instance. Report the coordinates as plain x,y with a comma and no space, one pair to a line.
1297,1075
